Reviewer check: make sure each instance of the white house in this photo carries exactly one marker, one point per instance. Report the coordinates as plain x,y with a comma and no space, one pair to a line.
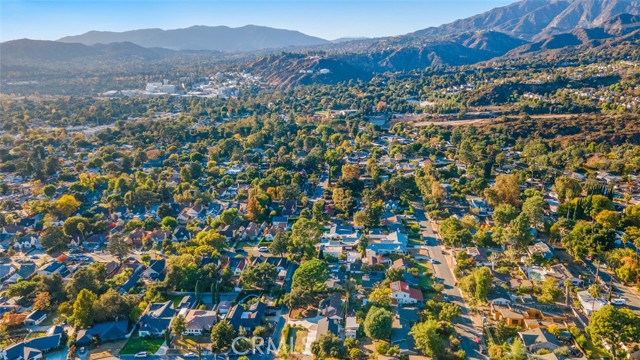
402,293
351,328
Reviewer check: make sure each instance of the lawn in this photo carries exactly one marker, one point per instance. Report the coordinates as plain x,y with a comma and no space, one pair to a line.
137,344
50,318
297,336
193,342
175,299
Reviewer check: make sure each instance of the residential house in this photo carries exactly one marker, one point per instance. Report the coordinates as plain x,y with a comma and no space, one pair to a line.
410,279
351,327
326,326
54,267
248,318
189,214
392,243
479,255
188,302
402,293
530,315
541,249
332,307
32,349
588,303
130,284
181,234
372,278
6,270
102,332
251,232
198,321
401,263
280,221
36,317
538,339
156,319
499,296
156,270
289,207
401,336
237,265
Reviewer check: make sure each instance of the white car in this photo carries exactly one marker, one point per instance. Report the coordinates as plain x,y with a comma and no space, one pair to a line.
619,301
142,354
190,354
263,249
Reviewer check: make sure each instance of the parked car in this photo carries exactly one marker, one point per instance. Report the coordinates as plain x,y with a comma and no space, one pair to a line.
190,354
263,249
142,354
619,301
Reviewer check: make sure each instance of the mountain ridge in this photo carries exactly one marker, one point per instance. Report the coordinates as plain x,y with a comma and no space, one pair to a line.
200,37
534,20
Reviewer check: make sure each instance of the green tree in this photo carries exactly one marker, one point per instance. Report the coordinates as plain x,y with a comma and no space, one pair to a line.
82,308
54,239
118,247
503,214
329,346
178,326
312,275
534,208
609,219
279,244
518,350
614,327
478,283
454,233
505,190
75,226
305,234
519,232
222,335
169,222
551,291
49,190
299,297
259,275
427,340
567,187
380,296
377,324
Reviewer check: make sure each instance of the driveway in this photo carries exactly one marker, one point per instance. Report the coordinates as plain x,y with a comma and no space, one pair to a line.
312,326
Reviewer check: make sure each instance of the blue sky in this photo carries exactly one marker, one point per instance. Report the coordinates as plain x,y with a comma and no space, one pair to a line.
329,19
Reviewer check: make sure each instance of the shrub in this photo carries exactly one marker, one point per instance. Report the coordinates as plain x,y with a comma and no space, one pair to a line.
382,347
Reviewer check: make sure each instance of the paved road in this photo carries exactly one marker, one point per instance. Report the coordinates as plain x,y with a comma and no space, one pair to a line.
464,325
629,294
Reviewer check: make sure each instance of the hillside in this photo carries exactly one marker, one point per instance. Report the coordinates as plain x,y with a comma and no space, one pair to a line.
217,38
535,20
40,53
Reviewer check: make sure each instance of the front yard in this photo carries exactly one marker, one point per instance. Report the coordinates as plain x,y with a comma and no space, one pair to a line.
192,343
137,344
297,337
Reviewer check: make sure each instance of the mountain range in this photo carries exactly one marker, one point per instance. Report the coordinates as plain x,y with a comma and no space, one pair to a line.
216,38
534,20
524,28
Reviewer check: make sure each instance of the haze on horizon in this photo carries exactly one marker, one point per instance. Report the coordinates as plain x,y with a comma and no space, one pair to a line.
328,19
